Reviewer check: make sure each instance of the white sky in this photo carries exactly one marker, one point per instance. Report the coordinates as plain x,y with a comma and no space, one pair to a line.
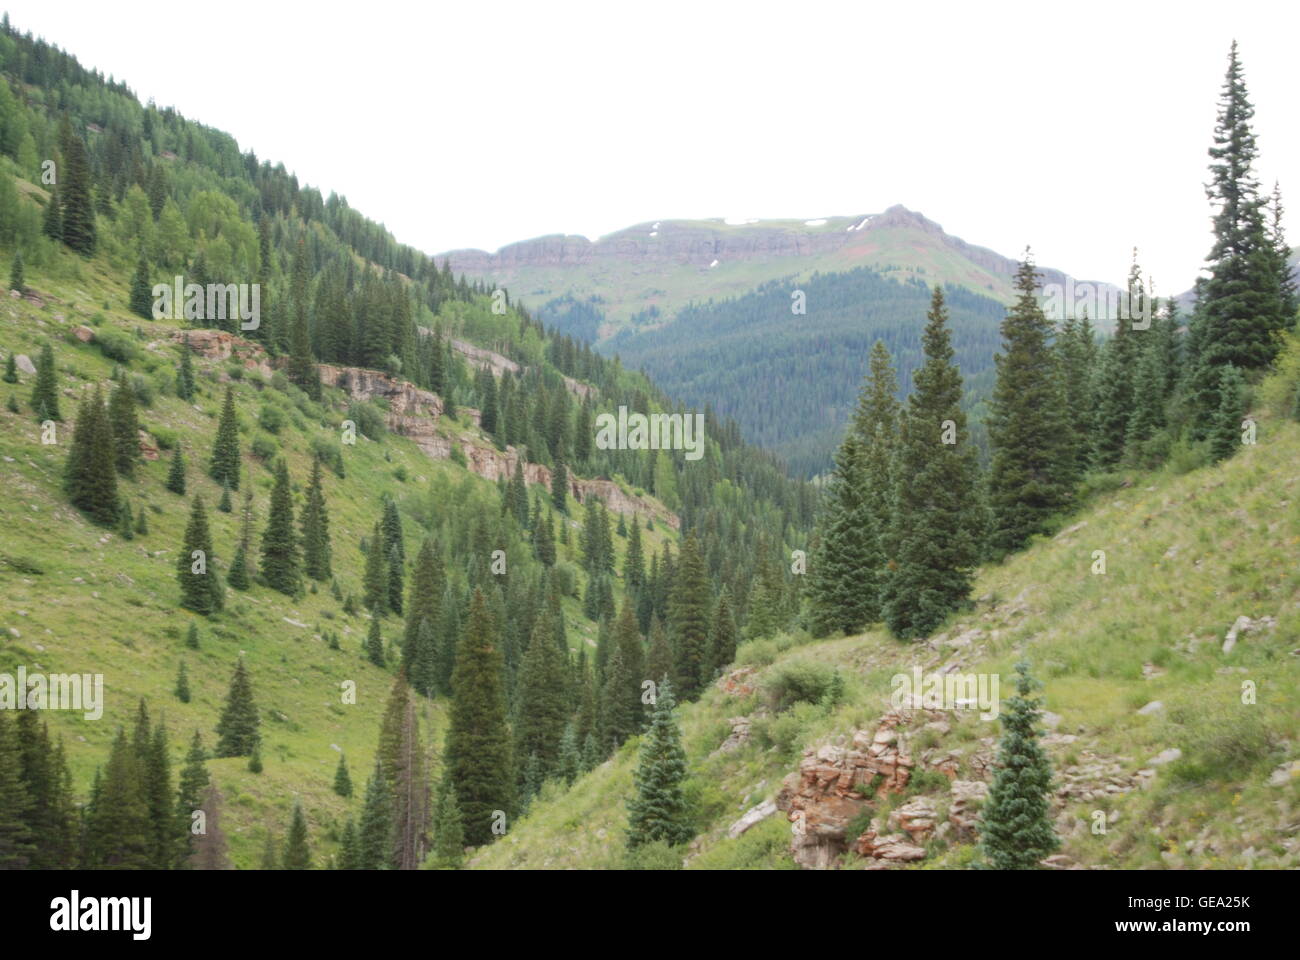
477,124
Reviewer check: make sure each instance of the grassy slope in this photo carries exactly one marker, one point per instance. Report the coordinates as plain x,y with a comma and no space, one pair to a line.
1185,554
124,622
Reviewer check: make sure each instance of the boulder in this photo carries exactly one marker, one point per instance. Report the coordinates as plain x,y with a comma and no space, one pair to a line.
24,363
754,816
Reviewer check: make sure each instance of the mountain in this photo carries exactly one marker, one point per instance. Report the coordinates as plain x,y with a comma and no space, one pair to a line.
706,308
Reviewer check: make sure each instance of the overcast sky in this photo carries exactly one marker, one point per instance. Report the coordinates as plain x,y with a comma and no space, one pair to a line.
477,124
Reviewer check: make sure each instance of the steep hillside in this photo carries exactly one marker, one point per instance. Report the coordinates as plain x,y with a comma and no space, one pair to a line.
1171,718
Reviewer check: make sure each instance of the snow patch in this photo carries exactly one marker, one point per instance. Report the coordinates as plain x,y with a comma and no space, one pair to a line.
814,223
858,226
713,264
739,221
656,226
654,233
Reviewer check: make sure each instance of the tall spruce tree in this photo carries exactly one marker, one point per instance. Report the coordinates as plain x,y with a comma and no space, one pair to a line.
195,565
478,739
176,472
185,384
77,215
1015,822
374,834
280,562
90,475
302,367
125,427
722,637
297,852
1225,437
1026,478
847,563
224,467
659,811
237,729
541,705
934,499
689,618
17,845
45,391
316,554
141,302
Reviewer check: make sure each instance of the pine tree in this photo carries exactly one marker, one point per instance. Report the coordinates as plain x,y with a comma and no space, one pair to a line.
117,823
270,855
185,373
1025,425
570,760
449,846
52,218
935,496
17,845
297,854
375,579
125,427
238,727
1225,438
395,580
141,303
192,637
722,638
52,815
349,847
16,278
544,541
375,831
78,213
141,523
342,781
225,450
634,559
302,367
156,766
659,811
689,618
478,740
182,690
560,486
45,391
11,369
410,788
375,640
844,579
239,574
195,569
90,476
176,473
620,704
280,566
541,706
316,554
191,792
1016,827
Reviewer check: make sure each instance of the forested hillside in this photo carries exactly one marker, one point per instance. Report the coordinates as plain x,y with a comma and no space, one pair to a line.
284,540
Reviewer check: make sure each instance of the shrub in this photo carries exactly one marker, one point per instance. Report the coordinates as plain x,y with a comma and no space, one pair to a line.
264,447
368,420
330,453
165,436
235,370
144,390
117,346
1218,743
279,381
799,681
458,456
271,418
400,473
566,579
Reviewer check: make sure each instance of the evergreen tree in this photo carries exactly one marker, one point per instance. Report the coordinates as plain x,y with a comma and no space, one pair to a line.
185,383
316,554
375,640
349,847
375,832
541,705
570,760
375,579
270,855
192,637
302,368
225,450
176,473
659,811
52,218
125,427
1225,438
45,391
17,845
11,369
423,607
342,782
46,781
224,504
297,854
935,496
141,303
156,767
16,278
1025,425
544,541
280,565
449,846
722,639
1016,827
141,523
182,690
844,580
238,727
195,569
191,791
634,559
478,740
117,821
689,617
77,213
395,580
560,487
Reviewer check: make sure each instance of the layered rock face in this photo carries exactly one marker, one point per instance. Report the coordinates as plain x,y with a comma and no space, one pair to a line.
414,413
